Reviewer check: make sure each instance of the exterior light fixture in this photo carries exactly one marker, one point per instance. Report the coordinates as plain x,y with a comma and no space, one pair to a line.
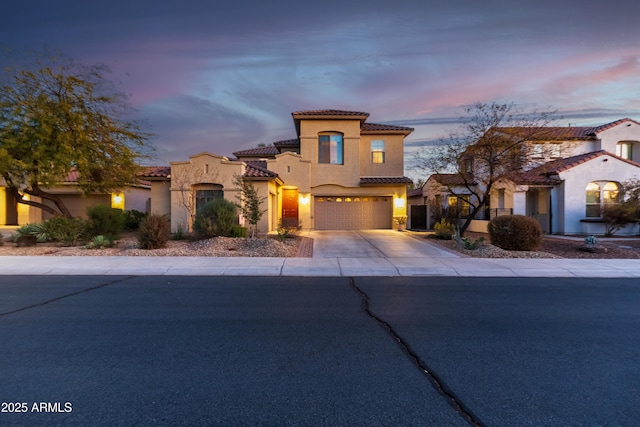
398,202
304,200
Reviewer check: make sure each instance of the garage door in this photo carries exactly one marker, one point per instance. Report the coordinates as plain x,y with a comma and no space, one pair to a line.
352,213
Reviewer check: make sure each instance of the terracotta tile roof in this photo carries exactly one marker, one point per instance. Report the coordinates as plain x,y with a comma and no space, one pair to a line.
295,142
268,151
385,180
375,127
547,173
325,113
416,192
72,176
613,124
157,172
452,179
255,170
561,133
550,133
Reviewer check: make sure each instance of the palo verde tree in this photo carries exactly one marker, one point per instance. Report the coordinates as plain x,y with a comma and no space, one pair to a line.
491,143
249,202
59,117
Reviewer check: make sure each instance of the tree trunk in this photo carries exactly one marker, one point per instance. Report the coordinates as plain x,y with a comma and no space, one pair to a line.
37,191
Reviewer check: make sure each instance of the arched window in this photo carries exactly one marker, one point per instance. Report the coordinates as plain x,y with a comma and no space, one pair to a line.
599,193
330,148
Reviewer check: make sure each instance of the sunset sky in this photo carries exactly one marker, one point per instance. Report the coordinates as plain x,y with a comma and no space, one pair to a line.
224,76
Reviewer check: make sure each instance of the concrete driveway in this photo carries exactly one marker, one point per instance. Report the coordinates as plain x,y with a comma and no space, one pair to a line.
374,244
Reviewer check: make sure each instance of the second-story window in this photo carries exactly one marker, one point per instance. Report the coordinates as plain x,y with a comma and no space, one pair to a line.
330,148
623,149
377,151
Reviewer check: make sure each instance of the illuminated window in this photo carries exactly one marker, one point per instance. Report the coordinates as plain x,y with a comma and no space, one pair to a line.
459,206
330,148
597,195
377,151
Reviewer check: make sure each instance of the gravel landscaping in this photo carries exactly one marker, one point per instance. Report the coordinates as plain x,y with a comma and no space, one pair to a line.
215,247
551,247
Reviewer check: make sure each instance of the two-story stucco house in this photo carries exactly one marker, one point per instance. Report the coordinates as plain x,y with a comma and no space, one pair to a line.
573,172
340,172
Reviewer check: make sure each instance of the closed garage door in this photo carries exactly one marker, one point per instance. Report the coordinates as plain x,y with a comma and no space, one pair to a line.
352,213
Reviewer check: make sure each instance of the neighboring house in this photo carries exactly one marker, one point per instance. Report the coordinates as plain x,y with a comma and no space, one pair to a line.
574,171
339,173
13,213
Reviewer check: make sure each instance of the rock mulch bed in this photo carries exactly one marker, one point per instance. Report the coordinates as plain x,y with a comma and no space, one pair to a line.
215,247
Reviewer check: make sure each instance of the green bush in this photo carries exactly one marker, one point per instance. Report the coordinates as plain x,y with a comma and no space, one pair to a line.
133,218
68,231
154,232
99,242
34,230
515,232
105,221
444,230
239,231
216,218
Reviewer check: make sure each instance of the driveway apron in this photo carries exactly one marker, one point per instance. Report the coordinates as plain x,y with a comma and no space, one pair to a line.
374,244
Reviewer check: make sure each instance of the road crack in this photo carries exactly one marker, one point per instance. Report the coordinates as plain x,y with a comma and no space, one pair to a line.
72,294
433,378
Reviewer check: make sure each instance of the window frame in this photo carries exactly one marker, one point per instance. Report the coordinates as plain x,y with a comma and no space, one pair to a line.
214,191
624,149
378,151
331,150
598,194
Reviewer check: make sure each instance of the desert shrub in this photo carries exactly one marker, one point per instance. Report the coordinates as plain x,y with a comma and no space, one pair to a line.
99,242
105,221
216,218
444,229
239,231
617,216
68,231
472,245
133,218
179,233
515,232
154,232
29,231
287,232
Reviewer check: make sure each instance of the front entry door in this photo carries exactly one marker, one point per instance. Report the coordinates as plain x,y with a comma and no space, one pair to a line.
290,207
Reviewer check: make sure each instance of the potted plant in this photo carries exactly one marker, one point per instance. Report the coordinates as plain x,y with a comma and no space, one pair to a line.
401,222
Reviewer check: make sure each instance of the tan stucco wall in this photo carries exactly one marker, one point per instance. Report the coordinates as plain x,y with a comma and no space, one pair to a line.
394,156
347,174
161,198
203,168
78,203
293,170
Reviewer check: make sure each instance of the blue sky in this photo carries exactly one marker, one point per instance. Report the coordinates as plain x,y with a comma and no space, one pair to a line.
223,76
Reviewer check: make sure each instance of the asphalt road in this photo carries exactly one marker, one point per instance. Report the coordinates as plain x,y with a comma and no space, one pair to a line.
96,350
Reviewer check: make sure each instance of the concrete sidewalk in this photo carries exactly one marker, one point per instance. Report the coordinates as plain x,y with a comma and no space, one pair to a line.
346,266
335,253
